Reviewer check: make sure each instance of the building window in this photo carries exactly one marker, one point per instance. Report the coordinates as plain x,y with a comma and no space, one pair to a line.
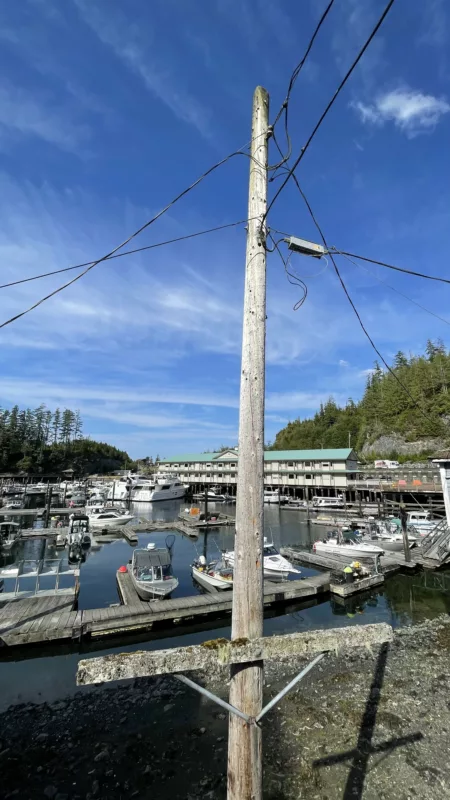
326,464
233,464
307,463
208,466
308,477
185,465
290,463
219,474
291,477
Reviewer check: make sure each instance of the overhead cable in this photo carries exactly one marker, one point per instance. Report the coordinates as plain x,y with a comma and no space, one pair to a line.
285,105
366,333
330,104
128,252
391,266
133,235
380,280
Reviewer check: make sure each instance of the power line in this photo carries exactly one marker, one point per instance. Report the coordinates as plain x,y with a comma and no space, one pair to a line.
133,235
330,104
341,280
285,105
391,266
380,280
127,252
291,276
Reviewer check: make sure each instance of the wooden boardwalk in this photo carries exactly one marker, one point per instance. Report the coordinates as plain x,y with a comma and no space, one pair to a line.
45,617
40,620
394,562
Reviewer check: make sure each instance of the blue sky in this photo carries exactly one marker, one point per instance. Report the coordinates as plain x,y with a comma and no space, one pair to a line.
109,109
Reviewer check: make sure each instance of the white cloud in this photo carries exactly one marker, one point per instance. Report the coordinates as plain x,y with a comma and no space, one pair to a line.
411,111
138,52
343,363
26,114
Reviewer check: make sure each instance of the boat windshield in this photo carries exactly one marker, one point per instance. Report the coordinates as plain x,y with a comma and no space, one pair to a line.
269,550
154,573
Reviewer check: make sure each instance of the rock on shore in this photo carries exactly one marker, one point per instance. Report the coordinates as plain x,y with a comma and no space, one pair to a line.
361,725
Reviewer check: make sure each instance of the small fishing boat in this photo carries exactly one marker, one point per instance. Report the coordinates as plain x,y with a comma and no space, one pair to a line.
213,495
108,517
9,533
351,545
151,572
275,565
213,575
61,540
79,530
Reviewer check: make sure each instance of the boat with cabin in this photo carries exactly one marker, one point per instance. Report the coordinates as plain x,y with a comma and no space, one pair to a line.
78,532
421,521
145,489
9,534
274,496
274,564
108,517
349,544
151,572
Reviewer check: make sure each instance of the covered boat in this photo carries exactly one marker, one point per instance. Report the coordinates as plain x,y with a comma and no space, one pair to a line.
151,572
79,530
108,517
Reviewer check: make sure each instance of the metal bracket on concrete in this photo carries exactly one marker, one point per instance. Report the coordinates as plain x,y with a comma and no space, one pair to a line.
233,710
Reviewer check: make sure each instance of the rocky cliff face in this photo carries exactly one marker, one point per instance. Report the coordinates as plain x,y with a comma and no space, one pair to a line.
394,443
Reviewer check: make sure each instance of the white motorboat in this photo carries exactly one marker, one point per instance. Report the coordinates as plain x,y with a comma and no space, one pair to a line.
352,545
13,504
388,536
108,517
422,522
151,572
273,496
213,575
9,533
328,502
147,489
213,495
275,565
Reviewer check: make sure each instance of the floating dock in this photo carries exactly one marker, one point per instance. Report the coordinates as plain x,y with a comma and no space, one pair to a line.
389,564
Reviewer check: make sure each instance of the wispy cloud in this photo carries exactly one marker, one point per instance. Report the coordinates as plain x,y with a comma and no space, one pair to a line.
434,23
25,113
135,49
412,111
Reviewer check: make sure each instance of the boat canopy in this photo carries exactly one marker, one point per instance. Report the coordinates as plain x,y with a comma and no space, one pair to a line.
152,558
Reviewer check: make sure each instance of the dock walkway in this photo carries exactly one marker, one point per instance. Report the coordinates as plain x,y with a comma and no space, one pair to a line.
43,619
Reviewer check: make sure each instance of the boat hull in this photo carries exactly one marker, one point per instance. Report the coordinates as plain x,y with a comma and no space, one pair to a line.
101,524
154,589
156,495
210,582
352,551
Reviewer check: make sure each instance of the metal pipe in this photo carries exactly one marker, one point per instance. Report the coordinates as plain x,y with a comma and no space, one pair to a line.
290,686
231,709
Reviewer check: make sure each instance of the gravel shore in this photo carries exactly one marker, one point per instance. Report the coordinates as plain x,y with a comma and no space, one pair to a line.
361,725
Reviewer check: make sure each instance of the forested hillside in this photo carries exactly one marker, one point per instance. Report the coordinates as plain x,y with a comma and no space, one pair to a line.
38,440
420,411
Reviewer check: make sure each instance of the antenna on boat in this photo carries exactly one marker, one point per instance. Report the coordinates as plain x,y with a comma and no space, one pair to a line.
170,541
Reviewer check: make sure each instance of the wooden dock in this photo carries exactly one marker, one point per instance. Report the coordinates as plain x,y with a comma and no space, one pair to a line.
43,619
389,564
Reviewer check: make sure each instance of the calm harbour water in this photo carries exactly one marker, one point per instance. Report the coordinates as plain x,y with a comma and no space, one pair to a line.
35,676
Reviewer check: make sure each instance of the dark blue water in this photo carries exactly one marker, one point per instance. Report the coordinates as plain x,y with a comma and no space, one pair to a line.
403,600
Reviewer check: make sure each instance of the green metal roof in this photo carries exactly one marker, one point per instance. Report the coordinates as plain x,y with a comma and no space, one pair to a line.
339,454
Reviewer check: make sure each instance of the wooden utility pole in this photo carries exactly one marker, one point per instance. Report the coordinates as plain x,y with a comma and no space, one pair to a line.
246,689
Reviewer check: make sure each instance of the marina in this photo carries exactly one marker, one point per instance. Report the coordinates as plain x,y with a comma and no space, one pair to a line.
105,604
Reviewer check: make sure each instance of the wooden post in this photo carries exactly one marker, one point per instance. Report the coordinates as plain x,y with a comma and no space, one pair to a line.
246,687
404,517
